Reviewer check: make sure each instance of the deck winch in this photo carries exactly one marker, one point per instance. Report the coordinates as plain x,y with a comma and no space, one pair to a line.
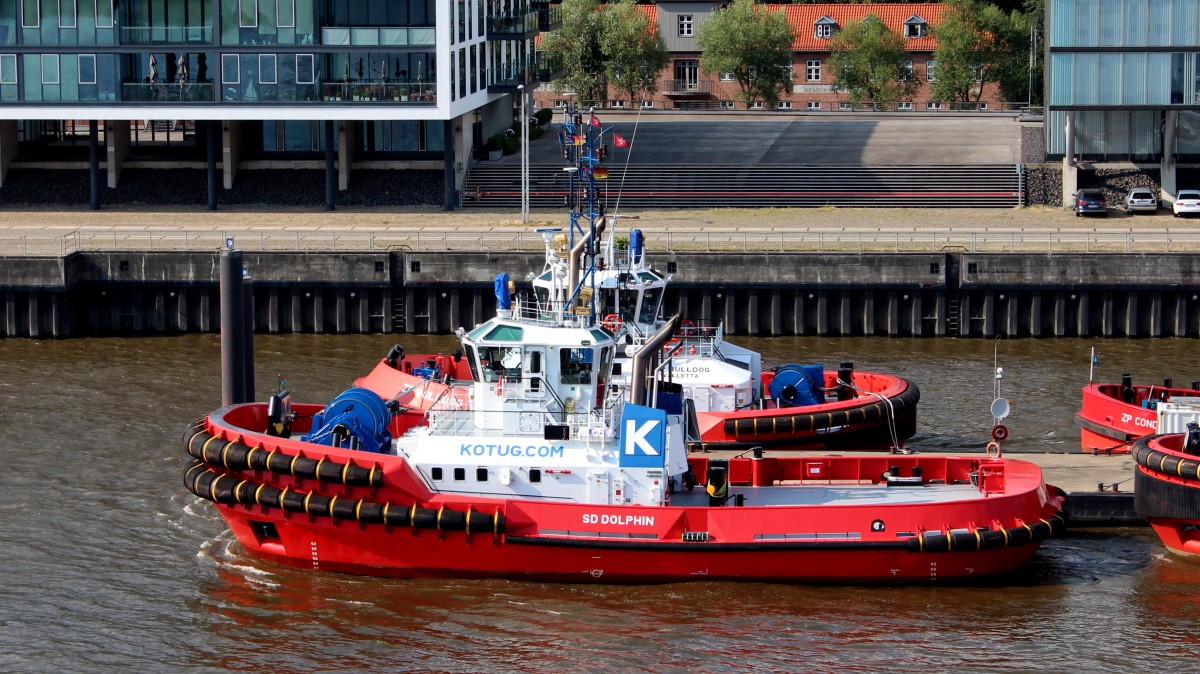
356,419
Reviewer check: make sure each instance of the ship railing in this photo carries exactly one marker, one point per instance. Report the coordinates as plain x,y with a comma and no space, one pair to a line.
587,425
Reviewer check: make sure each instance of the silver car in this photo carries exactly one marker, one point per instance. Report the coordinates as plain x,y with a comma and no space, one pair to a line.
1141,200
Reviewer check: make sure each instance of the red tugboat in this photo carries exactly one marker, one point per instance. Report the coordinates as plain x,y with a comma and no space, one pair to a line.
540,469
1167,487
1113,416
554,447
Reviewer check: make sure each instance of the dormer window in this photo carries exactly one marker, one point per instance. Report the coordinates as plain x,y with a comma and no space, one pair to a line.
916,27
824,27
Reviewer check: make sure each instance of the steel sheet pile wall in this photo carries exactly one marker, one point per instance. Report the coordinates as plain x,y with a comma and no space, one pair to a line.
905,294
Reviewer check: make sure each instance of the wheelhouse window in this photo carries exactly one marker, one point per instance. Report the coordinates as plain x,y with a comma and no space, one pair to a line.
575,365
650,302
500,361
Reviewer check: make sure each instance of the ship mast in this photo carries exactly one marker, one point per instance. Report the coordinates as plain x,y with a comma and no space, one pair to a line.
582,138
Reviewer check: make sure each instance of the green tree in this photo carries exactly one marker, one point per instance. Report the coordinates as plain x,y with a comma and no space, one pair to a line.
978,44
867,60
576,45
634,49
752,43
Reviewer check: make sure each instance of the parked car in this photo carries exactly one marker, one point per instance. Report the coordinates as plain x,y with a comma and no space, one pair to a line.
1090,201
1141,200
1187,202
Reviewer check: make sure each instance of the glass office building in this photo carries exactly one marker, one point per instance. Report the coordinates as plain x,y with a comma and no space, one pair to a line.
419,81
1128,73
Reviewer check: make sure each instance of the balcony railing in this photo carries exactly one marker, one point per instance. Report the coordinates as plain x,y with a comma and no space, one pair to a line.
167,92
366,92
513,23
687,87
166,34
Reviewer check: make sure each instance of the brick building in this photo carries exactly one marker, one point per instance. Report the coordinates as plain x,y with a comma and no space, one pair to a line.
684,86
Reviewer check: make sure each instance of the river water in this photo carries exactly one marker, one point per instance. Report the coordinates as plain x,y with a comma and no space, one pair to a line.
109,565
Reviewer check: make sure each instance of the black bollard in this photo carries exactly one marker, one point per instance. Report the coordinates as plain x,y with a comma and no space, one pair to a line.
248,338
233,342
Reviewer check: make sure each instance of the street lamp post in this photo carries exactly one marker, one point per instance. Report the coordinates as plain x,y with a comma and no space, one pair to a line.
524,158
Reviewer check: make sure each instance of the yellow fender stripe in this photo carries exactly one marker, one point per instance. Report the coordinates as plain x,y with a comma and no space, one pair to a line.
1005,532
212,488
358,510
292,465
306,497
332,500
317,470
204,447
978,540
438,522
412,517
257,492
386,506
345,469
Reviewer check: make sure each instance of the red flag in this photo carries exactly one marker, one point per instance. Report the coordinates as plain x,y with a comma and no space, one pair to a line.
595,121
621,141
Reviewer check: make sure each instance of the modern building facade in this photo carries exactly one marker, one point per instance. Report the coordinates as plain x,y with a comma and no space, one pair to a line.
237,84
1123,85
814,88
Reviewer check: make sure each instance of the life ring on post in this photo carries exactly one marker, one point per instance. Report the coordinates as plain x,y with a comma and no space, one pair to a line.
611,322
993,449
687,327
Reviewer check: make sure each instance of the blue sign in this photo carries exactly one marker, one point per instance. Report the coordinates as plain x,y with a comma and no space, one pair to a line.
643,437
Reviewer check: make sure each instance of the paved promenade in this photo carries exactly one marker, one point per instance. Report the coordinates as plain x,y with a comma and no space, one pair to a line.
1041,229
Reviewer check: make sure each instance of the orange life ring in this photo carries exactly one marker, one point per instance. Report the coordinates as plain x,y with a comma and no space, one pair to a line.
687,327
611,322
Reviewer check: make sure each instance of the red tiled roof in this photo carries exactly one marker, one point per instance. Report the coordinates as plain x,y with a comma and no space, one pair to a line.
804,17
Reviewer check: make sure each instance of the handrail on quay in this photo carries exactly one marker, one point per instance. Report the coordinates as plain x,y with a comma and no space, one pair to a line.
800,240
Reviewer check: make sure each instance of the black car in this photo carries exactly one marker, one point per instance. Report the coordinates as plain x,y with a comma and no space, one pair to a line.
1090,201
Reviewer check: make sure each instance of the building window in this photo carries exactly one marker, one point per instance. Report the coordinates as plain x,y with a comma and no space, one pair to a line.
783,105
647,104
728,105
230,69
616,104
823,30
727,77
87,68
104,14
788,72
306,71
933,105
977,72
30,16
914,29
812,71
268,70
8,68
755,105
982,105
812,105
845,105
248,13
50,73
286,13
931,71
66,14
904,105
560,104
906,71
685,25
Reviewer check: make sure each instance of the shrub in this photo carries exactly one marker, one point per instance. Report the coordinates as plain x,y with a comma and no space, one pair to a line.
544,115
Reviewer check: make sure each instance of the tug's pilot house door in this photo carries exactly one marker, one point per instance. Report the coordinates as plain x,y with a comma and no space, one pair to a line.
533,372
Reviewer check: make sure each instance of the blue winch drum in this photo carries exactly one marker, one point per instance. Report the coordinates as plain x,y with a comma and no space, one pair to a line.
358,418
798,385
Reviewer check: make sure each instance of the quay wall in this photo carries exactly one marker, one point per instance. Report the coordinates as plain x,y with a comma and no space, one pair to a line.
880,294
